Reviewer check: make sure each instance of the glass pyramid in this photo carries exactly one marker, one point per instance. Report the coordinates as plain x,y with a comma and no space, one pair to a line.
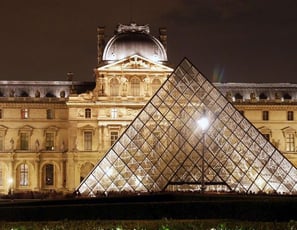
164,149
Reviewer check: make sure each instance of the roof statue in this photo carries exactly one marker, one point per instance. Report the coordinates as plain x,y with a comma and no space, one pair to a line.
164,149
133,27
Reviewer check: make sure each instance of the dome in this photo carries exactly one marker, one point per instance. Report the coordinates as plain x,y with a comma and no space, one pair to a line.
131,40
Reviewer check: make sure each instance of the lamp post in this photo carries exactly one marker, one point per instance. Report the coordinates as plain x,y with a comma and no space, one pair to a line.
203,123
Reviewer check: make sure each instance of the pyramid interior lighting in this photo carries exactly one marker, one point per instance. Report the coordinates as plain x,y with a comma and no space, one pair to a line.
162,149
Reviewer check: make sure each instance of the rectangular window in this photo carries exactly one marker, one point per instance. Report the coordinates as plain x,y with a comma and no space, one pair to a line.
49,114
24,141
50,141
24,175
0,113
114,113
49,174
290,115
88,140
24,113
113,137
290,142
87,113
265,115
1,141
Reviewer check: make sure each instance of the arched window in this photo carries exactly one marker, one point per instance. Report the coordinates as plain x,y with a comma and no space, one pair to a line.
156,85
49,174
87,113
24,175
114,87
135,87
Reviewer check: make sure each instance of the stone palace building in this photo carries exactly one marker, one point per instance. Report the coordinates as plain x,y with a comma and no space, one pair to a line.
52,133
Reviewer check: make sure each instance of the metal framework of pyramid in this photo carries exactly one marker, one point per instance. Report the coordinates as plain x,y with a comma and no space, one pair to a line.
164,149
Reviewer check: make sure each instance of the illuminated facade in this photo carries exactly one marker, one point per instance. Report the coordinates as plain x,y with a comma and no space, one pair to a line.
53,133
166,148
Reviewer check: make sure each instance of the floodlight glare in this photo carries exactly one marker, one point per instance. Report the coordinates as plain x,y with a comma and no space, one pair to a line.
203,123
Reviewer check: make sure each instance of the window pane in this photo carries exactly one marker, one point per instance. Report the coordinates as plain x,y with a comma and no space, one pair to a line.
24,141
135,87
88,140
290,115
114,113
49,114
49,142
1,141
87,113
290,142
24,113
114,87
49,174
113,137
265,115
24,175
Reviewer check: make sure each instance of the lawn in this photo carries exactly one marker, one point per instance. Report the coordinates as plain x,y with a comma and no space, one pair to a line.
163,224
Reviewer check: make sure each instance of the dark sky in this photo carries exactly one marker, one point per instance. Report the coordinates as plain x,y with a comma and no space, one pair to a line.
228,40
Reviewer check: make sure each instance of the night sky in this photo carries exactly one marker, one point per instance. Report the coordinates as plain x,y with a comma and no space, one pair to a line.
228,40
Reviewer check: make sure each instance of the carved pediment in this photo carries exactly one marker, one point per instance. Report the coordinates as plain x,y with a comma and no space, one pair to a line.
289,129
135,63
26,129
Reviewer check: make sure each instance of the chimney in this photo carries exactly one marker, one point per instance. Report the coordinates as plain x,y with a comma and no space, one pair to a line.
163,37
100,43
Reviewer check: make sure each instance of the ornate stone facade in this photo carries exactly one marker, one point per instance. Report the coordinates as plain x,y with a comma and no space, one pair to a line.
53,133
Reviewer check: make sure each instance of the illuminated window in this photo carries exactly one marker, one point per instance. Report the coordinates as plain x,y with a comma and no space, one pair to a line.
135,87
49,174
50,114
88,113
88,140
24,113
24,141
24,175
265,115
113,137
114,113
290,142
114,87
290,115
50,141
